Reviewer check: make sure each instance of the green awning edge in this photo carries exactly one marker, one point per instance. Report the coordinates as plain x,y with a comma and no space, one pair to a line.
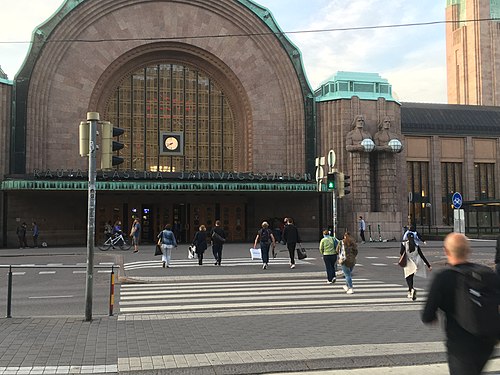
137,186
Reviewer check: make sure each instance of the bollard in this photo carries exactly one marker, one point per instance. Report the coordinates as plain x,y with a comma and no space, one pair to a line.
9,293
112,291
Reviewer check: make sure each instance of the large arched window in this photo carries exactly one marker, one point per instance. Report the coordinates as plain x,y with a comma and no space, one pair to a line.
164,100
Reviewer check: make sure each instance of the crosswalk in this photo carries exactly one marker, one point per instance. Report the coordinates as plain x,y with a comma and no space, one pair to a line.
229,262
279,293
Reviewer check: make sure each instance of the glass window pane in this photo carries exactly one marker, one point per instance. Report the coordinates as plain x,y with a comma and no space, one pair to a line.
170,97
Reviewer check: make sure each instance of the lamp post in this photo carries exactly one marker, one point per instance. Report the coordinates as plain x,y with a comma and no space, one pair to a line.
93,119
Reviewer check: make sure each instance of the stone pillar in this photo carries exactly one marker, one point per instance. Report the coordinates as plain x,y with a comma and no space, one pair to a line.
387,182
361,182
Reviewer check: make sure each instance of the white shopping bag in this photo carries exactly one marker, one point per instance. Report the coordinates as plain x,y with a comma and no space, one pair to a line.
191,251
255,253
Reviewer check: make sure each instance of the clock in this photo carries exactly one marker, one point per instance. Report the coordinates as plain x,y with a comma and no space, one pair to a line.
171,143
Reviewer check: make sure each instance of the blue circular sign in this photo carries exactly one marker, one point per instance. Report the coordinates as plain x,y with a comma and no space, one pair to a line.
457,200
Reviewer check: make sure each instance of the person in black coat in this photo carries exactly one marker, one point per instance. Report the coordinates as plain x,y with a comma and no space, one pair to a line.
218,238
291,238
200,241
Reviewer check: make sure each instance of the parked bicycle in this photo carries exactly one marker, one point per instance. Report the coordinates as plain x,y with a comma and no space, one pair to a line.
116,241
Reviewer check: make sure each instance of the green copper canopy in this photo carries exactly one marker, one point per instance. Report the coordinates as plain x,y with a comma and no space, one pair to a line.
345,85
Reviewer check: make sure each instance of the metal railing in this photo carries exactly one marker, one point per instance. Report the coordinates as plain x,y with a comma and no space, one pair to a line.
9,281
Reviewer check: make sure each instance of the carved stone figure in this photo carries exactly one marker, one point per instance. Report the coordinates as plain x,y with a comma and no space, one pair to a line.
357,135
384,136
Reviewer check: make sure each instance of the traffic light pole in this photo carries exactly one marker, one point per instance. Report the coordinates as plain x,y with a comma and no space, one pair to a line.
334,211
93,119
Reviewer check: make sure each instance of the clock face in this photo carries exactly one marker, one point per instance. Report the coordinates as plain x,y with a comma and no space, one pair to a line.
171,143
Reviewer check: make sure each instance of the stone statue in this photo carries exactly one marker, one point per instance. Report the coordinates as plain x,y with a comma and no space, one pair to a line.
384,136
357,135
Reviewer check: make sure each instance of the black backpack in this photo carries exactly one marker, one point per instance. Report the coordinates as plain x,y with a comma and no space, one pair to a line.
477,300
265,235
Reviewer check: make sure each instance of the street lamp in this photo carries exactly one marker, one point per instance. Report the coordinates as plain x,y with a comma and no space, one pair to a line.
395,145
368,145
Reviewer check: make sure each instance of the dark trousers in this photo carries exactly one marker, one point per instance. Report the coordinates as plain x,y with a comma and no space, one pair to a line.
330,264
22,241
409,281
291,251
217,250
362,235
264,249
200,257
35,241
470,362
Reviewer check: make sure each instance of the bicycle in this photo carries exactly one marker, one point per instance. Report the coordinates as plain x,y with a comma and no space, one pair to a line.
116,240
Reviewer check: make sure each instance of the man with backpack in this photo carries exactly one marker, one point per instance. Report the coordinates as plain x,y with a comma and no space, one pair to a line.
468,294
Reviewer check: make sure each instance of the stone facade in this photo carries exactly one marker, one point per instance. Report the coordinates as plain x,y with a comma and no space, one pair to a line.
255,72
378,179
472,54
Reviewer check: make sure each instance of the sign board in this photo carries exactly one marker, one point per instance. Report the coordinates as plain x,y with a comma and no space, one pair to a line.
456,200
320,173
459,221
331,159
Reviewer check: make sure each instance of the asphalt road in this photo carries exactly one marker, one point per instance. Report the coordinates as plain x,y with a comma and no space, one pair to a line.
51,281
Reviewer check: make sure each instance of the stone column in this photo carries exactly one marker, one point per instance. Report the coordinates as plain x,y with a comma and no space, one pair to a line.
387,182
361,182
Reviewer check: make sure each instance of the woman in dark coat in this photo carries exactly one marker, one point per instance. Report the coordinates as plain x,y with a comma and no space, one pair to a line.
200,241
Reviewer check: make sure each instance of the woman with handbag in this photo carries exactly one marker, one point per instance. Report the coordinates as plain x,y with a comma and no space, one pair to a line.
347,259
414,259
167,240
200,243
328,248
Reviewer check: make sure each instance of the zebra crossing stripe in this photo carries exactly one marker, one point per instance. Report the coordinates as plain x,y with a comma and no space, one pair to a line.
253,305
257,294
230,262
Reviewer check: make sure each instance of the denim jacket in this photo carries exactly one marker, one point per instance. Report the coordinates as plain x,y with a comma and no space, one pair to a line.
167,237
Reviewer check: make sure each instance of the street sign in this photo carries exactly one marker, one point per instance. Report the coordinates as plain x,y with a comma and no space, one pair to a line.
331,159
320,173
456,200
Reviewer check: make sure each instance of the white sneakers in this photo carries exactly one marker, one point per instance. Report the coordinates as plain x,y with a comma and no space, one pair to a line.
347,289
264,266
292,266
412,294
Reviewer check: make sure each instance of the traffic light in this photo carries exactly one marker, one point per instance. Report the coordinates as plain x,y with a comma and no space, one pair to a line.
108,146
331,181
84,131
343,184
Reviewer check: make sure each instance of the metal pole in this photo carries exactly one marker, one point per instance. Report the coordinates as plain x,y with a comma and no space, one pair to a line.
93,118
9,294
334,211
112,292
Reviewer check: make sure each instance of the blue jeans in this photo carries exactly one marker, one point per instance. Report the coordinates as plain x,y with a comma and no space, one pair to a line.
330,264
348,275
264,249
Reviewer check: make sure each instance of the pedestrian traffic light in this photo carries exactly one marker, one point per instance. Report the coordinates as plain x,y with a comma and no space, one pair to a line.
343,184
108,146
331,180
84,131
